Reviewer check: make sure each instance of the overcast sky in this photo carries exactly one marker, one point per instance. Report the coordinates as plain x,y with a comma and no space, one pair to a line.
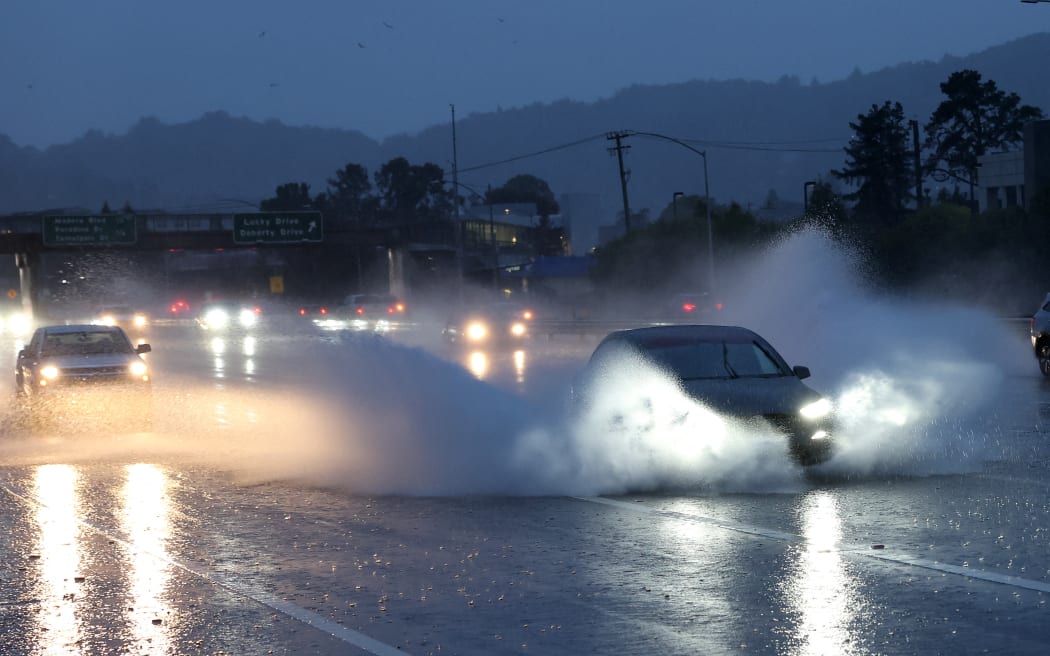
392,66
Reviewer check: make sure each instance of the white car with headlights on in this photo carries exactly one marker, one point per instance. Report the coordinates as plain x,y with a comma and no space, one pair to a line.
496,324
72,371
228,316
730,370
131,320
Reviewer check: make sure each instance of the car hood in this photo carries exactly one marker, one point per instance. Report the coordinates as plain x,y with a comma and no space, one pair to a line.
70,362
745,397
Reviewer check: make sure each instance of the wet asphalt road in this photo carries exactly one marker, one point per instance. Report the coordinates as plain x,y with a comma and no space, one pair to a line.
212,534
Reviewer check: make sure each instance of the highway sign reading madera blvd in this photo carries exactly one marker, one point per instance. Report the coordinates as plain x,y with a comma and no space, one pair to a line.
89,230
277,228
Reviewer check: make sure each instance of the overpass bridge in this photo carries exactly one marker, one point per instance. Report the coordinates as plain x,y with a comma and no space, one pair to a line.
30,237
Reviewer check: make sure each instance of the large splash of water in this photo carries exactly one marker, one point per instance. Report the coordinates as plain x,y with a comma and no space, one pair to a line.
910,382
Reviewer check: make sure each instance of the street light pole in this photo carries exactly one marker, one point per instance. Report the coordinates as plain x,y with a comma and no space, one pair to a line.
492,229
492,242
710,231
805,194
707,200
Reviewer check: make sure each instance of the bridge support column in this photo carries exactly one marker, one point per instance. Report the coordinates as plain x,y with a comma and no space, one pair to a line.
395,261
28,271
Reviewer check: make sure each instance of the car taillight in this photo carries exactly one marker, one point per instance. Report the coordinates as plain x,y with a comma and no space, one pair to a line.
392,309
718,306
688,307
324,310
302,312
360,310
257,310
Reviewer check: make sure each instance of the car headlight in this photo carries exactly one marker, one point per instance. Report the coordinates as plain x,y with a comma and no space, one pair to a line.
139,320
517,329
107,320
816,410
49,372
138,369
477,330
217,318
18,324
246,317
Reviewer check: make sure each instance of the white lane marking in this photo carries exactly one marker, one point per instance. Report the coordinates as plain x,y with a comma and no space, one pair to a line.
859,550
347,635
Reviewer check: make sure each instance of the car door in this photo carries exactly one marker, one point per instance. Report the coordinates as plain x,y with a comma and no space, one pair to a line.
26,357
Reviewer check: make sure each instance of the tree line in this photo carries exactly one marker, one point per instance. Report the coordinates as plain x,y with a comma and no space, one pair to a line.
909,238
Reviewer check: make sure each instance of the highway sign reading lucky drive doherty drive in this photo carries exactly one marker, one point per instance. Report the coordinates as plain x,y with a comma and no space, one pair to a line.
277,228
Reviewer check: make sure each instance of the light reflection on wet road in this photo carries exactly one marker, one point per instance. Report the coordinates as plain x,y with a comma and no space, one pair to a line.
133,546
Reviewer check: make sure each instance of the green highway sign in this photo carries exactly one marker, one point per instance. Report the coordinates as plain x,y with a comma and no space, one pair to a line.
277,228
89,230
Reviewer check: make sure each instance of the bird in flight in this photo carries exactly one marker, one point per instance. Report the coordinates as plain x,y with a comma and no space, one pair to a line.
262,34
388,25
360,45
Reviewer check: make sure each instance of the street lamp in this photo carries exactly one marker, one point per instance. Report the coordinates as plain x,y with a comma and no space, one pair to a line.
707,200
674,203
492,228
805,194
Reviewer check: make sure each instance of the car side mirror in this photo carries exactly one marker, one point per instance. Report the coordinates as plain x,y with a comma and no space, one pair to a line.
143,348
801,372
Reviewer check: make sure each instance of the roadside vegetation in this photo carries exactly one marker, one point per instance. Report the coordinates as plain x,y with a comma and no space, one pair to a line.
878,204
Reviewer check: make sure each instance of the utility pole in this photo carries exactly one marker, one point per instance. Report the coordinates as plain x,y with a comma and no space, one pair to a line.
458,225
918,163
619,148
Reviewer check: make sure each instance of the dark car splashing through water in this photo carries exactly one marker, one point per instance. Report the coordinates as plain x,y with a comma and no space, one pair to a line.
734,372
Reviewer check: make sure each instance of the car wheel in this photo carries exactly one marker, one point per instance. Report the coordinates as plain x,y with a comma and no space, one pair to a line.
1043,354
38,414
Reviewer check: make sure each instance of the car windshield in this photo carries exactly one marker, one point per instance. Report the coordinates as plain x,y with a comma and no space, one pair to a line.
85,343
696,360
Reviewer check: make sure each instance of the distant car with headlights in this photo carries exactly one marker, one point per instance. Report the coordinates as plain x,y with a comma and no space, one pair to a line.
69,371
494,324
730,370
372,311
179,308
693,307
124,316
313,311
1039,328
228,316
14,319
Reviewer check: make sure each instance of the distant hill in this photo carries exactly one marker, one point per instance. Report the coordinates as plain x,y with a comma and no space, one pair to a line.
758,136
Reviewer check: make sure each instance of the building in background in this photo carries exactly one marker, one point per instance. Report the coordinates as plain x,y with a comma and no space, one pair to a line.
1013,179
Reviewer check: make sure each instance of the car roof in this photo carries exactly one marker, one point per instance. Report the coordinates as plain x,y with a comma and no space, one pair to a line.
652,335
79,328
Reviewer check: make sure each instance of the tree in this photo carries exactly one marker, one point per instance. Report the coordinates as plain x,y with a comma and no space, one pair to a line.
975,119
288,197
526,189
547,238
349,195
411,193
824,203
880,163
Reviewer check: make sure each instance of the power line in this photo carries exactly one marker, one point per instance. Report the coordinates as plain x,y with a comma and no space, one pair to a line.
533,154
